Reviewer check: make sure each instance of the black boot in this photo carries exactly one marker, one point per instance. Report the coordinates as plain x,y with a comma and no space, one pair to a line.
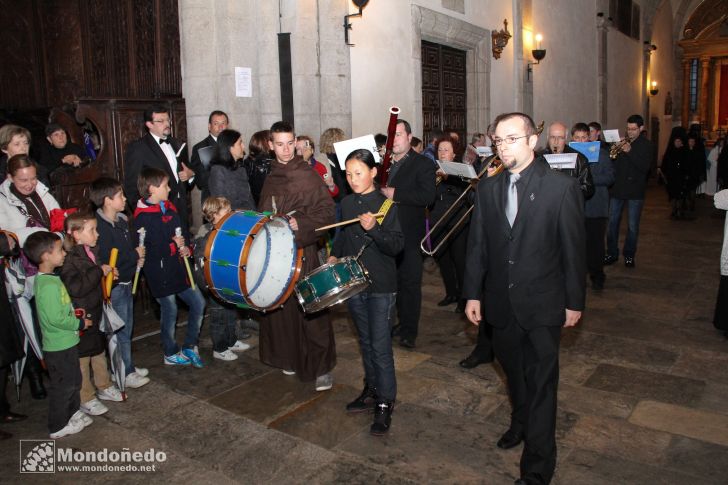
382,418
365,402
35,379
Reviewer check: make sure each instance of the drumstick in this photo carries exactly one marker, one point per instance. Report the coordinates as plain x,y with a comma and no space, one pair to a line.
178,233
344,223
142,234
110,277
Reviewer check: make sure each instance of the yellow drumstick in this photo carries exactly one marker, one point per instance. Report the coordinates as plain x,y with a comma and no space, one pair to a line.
110,277
379,215
178,232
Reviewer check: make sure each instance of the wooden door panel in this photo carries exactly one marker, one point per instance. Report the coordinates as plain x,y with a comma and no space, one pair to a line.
443,89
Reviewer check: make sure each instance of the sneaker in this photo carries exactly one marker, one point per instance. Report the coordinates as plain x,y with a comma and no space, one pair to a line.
382,418
83,418
193,357
239,347
141,371
72,427
365,402
224,355
608,259
324,382
94,407
629,262
176,359
111,393
135,380
289,372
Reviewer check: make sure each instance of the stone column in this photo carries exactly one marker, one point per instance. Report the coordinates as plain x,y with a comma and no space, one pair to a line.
602,91
685,112
704,83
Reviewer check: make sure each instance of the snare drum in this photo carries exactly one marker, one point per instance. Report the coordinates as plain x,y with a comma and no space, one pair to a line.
251,259
331,283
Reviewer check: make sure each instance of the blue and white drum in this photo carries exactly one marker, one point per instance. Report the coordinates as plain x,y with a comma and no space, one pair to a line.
251,260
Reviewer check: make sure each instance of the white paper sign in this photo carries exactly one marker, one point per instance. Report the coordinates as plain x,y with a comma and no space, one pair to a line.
559,161
611,136
344,148
458,169
243,82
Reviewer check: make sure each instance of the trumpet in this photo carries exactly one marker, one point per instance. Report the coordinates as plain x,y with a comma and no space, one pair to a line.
618,147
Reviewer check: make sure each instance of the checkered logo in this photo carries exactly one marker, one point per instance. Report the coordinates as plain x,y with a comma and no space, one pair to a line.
37,456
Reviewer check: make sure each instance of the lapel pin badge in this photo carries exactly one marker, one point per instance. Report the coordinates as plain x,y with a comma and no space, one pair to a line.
531,196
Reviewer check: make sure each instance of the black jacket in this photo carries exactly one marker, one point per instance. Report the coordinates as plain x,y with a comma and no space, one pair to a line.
83,278
52,158
383,241
414,190
582,173
536,269
117,235
146,152
231,184
11,348
632,169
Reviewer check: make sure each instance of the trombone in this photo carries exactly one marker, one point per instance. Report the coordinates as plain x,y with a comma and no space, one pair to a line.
493,161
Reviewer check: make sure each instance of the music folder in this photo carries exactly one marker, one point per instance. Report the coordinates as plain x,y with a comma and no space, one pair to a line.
561,161
463,170
206,155
344,148
590,149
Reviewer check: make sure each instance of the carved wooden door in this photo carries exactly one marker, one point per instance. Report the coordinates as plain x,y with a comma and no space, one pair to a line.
443,89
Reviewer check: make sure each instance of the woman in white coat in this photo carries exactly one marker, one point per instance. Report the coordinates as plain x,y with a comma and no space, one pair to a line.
720,320
25,203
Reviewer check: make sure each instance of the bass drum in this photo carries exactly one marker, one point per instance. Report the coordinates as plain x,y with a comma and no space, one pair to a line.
331,283
251,260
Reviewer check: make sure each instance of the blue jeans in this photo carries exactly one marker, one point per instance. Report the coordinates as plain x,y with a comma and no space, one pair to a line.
222,321
634,211
168,319
123,302
372,314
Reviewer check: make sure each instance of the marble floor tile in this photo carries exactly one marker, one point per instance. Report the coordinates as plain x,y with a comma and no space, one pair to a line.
646,385
680,420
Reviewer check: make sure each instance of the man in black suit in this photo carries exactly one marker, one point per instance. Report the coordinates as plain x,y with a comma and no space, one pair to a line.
411,185
216,123
160,150
557,144
526,261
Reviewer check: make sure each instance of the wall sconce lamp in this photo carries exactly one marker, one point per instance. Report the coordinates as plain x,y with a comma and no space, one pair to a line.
500,39
347,25
649,47
654,89
539,53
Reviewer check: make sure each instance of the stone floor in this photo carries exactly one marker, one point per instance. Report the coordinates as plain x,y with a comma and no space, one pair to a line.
643,395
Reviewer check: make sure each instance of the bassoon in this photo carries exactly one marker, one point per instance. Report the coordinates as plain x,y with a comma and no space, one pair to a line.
387,161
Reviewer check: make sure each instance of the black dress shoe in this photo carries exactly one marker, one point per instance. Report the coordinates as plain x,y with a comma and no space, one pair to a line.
629,262
510,439
448,300
407,343
472,361
12,417
609,260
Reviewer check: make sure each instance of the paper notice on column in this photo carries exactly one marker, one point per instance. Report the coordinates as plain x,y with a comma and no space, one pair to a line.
243,82
611,136
561,161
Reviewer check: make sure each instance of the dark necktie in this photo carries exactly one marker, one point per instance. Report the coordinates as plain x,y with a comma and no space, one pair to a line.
512,198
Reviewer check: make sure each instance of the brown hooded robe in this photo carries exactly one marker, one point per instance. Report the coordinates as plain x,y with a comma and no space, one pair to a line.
290,339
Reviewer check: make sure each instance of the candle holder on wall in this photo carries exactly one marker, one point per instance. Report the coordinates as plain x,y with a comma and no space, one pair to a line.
347,25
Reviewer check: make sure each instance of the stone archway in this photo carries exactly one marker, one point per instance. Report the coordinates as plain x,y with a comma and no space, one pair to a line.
442,29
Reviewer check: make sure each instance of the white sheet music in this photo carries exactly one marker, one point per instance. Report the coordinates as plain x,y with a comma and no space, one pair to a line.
611,136
344,148
561,161
458,169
